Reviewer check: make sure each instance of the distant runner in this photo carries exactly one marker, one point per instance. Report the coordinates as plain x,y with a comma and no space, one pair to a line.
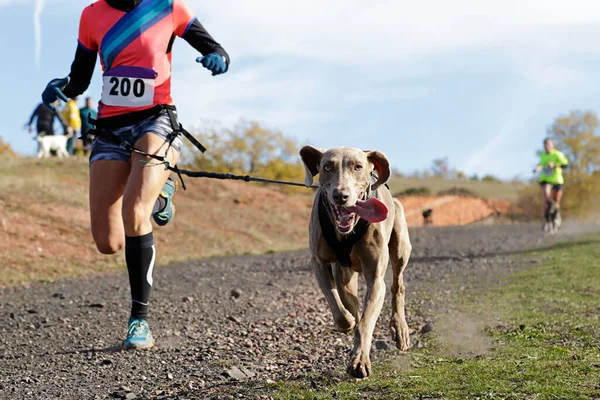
87,113
134,39
44,117
551,179
70,114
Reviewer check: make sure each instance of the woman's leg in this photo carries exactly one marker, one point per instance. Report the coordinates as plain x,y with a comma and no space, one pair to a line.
546,191
107,185
143,187
557,194
145,184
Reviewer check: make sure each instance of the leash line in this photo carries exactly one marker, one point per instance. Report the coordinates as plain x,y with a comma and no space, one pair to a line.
230,176
162,160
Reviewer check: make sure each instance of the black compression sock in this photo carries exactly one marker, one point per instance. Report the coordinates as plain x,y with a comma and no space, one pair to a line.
140,255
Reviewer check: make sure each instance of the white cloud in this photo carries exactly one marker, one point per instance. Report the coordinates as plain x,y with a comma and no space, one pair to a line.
6,3
306,64
541,74
260,91
379,32
387,42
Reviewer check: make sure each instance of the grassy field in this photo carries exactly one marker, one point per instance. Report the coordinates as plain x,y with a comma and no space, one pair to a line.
508,191
539,338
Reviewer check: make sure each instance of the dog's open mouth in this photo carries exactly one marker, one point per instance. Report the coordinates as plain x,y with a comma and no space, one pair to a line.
372,210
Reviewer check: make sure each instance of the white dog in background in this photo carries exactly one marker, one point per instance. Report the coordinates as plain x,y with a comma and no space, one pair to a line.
57,143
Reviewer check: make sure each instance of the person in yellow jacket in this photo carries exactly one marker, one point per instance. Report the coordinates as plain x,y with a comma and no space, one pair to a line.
552,162
70,114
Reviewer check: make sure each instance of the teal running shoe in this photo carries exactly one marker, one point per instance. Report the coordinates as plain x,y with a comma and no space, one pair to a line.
163,216
138,335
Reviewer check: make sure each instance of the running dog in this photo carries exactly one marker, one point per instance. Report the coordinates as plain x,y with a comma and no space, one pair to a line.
57,143
357,226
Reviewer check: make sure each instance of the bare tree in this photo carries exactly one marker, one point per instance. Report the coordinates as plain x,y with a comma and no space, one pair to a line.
440,168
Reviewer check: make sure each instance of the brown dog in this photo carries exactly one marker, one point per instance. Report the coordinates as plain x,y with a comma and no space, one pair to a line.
357,226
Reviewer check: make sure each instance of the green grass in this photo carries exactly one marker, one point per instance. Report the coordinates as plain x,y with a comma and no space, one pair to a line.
542,330
508,191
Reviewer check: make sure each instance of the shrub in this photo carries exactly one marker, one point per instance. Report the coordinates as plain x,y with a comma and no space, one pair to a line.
248,148
490,178
415,191
5,149
457,191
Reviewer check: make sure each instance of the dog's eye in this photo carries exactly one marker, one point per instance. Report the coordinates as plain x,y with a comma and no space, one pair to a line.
358,167
327,168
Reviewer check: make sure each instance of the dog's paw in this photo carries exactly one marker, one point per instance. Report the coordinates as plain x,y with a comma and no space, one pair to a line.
400,334
345,322
359,365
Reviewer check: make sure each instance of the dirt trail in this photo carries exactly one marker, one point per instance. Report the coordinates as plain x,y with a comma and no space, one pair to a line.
61,340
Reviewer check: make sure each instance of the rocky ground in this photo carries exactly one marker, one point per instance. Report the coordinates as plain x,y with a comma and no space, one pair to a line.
225,327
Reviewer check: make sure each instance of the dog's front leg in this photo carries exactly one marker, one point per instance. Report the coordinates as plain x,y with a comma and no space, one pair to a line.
400,249
346,281
344,320
359,364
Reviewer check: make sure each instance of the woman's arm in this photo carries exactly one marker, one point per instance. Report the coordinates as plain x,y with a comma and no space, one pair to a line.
82,70
199,38
187,26
562,160
35,113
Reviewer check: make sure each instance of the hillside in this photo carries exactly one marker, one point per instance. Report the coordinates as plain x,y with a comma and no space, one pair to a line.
508,191
44,220
452,210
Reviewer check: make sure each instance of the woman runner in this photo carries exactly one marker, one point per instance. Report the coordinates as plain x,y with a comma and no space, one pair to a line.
134,39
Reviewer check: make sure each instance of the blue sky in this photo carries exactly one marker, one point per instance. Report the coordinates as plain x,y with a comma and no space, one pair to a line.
475,81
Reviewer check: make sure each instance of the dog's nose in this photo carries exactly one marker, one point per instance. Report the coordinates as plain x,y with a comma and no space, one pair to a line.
341,196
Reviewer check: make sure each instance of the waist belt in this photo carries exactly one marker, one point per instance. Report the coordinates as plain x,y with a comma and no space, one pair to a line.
123,120
104,126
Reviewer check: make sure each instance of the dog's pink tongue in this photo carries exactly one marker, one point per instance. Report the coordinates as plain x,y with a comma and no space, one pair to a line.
373,210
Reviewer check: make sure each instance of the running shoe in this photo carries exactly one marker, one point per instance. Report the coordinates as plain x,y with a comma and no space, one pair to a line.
557,219
163,216
139,335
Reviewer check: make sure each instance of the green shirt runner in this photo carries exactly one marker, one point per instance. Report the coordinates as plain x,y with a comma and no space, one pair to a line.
553,176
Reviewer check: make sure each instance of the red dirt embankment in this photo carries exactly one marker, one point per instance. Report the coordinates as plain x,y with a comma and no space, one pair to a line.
45,228
452,210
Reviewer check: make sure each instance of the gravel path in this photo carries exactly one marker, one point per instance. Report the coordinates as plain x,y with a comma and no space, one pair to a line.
225,327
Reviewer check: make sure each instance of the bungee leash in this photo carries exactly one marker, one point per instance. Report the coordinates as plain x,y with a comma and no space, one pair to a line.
178,129
223,176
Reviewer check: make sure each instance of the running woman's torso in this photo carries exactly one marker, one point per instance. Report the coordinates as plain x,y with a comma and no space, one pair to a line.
135,51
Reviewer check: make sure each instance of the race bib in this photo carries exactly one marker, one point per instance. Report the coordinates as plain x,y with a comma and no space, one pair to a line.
128,87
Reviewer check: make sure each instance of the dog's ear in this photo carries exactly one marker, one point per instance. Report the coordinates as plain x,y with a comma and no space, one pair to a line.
311,157
381,165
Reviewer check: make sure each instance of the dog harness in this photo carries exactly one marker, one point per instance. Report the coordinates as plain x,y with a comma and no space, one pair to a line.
105,126
342,248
